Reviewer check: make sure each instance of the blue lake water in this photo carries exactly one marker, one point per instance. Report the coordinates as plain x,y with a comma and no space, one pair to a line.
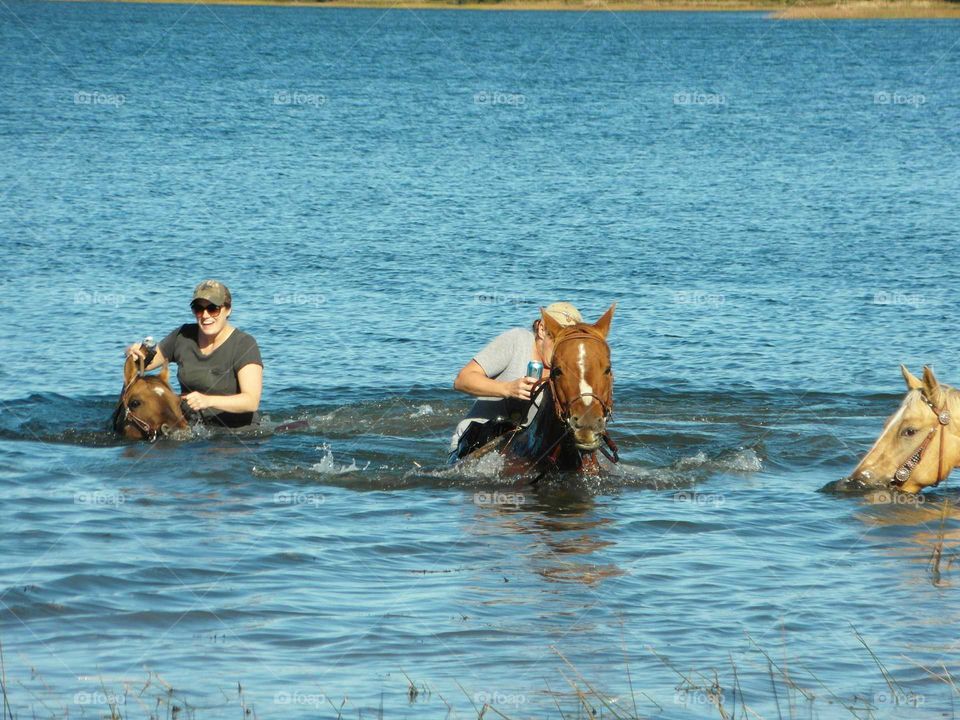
772,205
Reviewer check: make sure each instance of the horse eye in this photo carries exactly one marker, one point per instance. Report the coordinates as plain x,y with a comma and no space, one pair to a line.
556,372
908,432
134,404
608,371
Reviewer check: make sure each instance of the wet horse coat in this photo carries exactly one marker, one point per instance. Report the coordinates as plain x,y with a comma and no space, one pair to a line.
919,445
148,407
575,402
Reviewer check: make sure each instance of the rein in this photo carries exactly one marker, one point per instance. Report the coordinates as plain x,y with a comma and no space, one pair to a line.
905,470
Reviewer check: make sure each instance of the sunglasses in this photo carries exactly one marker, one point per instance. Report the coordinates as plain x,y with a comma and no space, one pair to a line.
198,309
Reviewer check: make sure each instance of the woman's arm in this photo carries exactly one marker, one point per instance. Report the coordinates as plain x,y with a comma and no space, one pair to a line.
474,381
250,380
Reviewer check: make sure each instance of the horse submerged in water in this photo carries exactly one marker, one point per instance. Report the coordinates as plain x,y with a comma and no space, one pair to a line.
919,445
148,406
575,403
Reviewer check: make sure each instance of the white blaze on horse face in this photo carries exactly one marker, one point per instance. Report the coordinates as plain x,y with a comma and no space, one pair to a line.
159,391
585,389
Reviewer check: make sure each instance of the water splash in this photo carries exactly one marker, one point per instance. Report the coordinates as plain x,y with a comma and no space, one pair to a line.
741,460
329,466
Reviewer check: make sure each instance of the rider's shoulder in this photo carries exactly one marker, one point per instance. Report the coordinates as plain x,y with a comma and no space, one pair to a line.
187,331
243,337
515,334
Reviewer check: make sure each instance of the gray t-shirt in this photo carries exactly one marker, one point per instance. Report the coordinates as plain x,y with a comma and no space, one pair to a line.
504,358
213,374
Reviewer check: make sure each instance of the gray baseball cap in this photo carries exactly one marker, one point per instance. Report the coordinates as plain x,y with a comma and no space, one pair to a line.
213,291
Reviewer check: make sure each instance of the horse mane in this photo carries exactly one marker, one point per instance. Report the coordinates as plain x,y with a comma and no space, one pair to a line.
950,397
153,380
585,330
951,394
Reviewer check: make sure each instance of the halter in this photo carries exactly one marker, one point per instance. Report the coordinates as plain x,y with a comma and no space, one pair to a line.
562,407
904,472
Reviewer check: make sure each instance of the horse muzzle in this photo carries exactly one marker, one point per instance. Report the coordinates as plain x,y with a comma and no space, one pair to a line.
587,432
861,477
865,480
587,440
589,437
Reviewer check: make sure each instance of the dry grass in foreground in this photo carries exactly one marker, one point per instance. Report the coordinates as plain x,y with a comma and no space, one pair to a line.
793,691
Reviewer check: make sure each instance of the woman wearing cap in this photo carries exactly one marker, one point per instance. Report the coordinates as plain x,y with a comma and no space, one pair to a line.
496,376
218,366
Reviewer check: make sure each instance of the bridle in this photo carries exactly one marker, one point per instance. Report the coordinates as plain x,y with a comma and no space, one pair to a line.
562,405
906,469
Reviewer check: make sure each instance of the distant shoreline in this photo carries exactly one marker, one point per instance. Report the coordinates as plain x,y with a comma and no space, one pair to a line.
868,9
817,10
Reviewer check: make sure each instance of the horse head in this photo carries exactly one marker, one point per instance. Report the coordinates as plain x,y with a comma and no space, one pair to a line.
581,377
148,407
919,445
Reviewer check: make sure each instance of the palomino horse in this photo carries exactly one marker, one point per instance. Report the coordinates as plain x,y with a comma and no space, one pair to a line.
576,401
148,407
919,444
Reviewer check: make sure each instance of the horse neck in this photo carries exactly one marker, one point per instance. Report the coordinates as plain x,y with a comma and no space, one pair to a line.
947,446
546,430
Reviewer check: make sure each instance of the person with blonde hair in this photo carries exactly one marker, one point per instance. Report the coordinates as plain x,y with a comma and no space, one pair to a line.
497,377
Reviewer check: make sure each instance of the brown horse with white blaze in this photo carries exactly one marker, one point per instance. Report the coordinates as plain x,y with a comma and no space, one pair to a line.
581,377
148,406
919,445
575,402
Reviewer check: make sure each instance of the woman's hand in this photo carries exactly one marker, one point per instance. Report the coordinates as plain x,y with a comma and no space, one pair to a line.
250,379
136,352
474,381
198,401
520,388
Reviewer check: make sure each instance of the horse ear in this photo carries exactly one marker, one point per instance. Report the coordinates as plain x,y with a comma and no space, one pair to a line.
913,382
931,387
165,373
603,324
129,370
549,324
